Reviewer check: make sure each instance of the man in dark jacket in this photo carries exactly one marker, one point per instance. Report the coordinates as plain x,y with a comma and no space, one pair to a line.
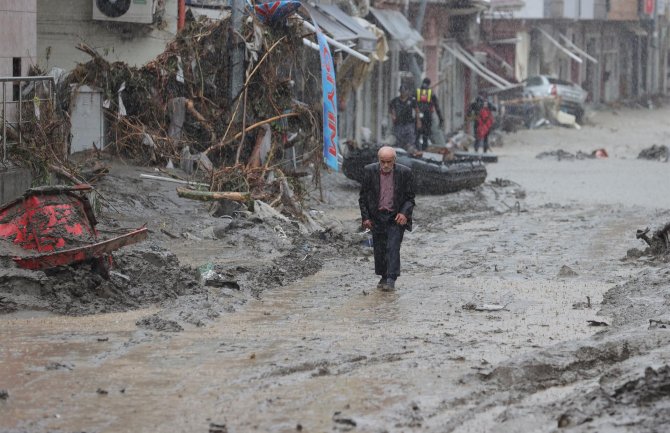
387,201
404,116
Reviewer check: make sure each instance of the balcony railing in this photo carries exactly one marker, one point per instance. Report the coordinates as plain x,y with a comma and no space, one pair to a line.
14,103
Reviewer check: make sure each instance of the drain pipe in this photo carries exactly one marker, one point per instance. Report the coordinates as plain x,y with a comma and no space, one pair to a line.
181,14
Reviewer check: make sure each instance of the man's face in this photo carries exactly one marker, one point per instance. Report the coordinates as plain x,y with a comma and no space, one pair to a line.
386,162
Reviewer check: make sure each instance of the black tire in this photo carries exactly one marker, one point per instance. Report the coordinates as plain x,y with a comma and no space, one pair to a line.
113,8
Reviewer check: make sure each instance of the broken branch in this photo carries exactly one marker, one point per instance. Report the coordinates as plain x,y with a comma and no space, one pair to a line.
210,196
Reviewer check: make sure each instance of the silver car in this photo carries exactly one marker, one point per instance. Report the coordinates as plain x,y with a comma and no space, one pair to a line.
572,97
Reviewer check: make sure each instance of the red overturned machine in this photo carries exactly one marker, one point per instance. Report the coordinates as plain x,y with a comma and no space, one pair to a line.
54,226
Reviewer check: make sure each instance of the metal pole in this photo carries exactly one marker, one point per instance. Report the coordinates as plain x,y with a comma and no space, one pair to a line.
420,16
237,56
4,122
418,26
20,115
655,50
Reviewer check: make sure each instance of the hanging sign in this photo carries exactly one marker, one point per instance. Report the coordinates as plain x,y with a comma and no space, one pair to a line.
330,140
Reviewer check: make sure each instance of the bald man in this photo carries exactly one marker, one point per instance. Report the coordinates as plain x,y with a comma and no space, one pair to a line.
387,201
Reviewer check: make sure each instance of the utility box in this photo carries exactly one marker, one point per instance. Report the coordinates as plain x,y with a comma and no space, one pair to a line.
14,182
87,123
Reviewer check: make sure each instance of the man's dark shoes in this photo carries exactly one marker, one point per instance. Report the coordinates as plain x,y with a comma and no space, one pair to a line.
390,284
381,283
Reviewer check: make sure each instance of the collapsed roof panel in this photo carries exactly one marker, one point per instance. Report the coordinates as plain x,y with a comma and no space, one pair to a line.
367,41
398,28
337,30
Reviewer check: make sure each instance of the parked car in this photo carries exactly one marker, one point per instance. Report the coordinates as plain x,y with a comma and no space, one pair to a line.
571,95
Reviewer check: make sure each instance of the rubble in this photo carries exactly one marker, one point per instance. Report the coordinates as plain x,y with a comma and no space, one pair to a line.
658,242
178,107
655,153
561,154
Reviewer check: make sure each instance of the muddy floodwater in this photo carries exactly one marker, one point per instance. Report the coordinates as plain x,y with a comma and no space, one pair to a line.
521,308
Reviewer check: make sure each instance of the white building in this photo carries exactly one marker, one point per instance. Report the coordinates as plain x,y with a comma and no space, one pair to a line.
132,31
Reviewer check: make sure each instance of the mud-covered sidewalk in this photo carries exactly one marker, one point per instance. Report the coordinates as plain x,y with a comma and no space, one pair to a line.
490,327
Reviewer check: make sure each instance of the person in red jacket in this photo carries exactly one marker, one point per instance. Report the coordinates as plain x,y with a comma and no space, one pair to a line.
484,122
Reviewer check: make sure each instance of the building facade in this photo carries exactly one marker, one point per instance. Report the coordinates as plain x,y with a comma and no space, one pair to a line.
18,36
134,37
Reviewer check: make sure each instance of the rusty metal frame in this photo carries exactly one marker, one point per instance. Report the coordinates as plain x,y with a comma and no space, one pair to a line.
19,104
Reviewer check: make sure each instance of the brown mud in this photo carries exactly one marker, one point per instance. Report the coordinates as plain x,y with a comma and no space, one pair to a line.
293,336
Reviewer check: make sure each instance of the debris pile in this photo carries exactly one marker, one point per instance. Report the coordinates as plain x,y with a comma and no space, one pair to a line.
655,153
659,241
179,107
561,155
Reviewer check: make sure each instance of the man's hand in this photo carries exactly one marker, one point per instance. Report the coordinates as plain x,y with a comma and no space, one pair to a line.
367,224
401,219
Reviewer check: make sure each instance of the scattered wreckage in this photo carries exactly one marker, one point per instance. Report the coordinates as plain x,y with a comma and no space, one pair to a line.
430,176
659,241
54,226
180,109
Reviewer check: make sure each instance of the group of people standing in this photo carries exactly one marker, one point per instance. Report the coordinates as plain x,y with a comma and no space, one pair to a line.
412,116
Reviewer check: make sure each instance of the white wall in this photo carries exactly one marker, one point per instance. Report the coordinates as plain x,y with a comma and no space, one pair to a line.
532,9
17,34
588,8
61,25
571,9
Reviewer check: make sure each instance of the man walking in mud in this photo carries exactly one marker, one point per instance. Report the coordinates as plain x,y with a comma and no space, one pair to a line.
387,201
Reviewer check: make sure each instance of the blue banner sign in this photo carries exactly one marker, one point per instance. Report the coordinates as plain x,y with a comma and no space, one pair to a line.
330,145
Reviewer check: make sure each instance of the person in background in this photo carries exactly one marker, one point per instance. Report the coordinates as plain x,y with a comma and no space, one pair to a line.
404,117
426,102
484,122
386,202
473,112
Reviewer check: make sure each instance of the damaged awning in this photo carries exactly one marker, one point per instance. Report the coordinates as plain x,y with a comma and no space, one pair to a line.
341,37
335,29
471,62
399,29
365,40
472,7
571,45
551,39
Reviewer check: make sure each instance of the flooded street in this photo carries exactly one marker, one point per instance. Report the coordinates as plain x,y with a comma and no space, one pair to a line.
538,252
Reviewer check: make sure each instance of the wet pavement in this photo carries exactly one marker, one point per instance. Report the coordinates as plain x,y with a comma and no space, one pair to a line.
329,352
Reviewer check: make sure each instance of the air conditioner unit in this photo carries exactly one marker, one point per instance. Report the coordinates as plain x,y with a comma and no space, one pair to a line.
126,11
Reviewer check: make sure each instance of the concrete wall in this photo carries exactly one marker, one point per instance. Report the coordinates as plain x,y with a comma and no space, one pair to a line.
61,25
623,10
571,9
17,34
13,183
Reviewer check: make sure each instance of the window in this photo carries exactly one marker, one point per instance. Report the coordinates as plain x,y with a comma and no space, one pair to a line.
16,72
